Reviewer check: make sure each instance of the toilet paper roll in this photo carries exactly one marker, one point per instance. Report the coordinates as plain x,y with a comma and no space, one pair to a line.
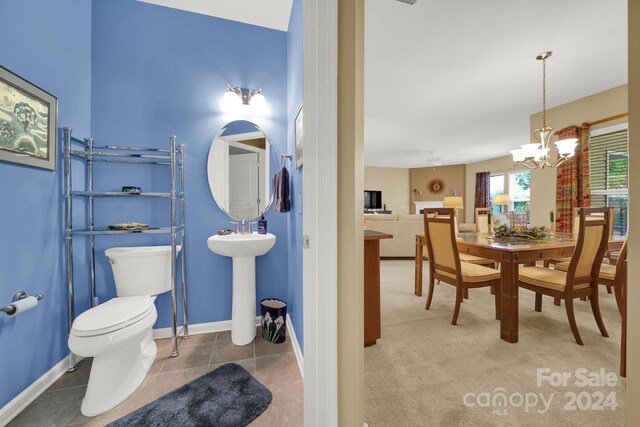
25,304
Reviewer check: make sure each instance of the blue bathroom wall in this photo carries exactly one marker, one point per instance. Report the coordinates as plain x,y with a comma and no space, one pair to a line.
49,44
294,102
157,72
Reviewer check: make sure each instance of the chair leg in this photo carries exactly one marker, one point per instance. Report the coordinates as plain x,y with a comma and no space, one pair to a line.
466,293
430,294
538,302
568,303
609,290
556,301
595,306
546,263
459,299
493,289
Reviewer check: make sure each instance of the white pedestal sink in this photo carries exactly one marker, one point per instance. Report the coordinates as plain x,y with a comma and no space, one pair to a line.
243,249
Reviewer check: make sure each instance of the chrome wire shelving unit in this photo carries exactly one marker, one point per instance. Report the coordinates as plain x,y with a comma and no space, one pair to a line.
91,154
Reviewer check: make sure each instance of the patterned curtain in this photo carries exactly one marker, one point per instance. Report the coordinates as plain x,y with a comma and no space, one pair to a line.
572,183
482,190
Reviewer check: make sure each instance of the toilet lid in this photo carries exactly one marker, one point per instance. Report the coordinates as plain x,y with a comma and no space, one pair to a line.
114,314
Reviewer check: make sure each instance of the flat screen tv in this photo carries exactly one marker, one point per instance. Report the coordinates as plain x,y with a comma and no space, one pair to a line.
372,199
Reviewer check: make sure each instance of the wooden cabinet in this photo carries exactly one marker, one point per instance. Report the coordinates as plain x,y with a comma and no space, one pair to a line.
372,328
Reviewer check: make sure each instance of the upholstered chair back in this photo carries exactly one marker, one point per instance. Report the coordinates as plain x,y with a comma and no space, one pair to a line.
439,230
482,220
621,262
576,220
593,238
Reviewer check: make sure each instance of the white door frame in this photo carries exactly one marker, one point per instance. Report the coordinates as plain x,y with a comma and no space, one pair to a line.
320,212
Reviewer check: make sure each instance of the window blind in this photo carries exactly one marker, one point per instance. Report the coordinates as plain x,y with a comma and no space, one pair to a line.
609,175
609,163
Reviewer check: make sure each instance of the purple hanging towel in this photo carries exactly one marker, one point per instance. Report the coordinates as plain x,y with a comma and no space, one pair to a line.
281,190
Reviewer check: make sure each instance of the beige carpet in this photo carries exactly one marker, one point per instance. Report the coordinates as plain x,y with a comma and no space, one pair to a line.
423,367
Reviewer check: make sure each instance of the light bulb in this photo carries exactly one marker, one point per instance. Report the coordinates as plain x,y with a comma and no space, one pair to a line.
258,100
231,98
518,155
567,147
530,150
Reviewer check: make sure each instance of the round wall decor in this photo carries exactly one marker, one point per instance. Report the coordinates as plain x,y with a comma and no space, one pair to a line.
436,186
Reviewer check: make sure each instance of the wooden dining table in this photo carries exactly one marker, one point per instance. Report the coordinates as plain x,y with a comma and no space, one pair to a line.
510,255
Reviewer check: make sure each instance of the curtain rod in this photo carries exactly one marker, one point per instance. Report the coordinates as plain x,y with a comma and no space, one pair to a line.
608,119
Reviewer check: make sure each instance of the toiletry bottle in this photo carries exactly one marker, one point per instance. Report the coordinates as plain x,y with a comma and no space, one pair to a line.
262,225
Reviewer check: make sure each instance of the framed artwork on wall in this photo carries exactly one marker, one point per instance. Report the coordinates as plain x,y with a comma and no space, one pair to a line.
28,122
298,138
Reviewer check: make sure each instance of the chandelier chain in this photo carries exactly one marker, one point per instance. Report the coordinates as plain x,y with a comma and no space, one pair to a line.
544,93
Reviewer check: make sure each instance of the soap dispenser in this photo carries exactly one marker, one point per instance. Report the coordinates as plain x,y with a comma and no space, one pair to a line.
262,225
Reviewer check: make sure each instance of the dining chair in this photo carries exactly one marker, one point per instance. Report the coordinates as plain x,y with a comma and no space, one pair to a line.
518,219
621,298
582,276
445,264
482,218
615,276
609,276
575,230
472,259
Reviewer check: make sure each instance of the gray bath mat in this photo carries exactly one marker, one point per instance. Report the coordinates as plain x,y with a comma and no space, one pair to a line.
228,396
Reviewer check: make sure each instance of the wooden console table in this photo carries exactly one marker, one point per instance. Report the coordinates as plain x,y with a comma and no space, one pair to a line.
372,328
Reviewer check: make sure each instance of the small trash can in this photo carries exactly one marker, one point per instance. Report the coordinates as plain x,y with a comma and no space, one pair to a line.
273,315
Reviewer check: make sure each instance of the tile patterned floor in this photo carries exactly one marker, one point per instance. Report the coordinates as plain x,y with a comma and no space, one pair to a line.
274,365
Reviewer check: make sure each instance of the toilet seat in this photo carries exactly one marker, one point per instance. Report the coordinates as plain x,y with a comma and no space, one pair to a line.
113,315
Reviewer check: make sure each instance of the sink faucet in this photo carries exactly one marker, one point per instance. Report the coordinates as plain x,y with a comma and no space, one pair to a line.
243,226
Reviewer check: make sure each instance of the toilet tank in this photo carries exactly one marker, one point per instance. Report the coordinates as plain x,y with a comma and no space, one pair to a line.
141,270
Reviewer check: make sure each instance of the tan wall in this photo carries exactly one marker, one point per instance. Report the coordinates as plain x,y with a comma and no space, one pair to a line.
394,184
453,177
543,182
350,219
633,337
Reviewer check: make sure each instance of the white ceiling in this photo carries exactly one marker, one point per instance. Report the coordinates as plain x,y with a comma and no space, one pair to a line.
264,13
459,77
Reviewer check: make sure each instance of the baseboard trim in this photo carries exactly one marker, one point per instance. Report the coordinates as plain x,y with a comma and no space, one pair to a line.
18,404
198,328
296,346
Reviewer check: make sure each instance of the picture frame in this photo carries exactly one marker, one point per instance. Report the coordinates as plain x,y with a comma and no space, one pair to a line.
28,122
298,132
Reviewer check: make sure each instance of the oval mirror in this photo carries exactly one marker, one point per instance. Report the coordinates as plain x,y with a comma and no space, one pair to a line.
240,166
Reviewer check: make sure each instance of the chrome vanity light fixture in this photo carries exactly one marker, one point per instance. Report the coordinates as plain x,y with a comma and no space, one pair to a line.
237,95
536,155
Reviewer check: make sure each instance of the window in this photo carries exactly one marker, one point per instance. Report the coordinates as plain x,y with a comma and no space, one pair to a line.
496,186
520,190
609,173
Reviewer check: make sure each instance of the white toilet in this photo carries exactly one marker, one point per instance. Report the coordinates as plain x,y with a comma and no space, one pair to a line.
118,333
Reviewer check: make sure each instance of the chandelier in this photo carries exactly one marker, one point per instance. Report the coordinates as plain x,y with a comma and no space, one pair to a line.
536,155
